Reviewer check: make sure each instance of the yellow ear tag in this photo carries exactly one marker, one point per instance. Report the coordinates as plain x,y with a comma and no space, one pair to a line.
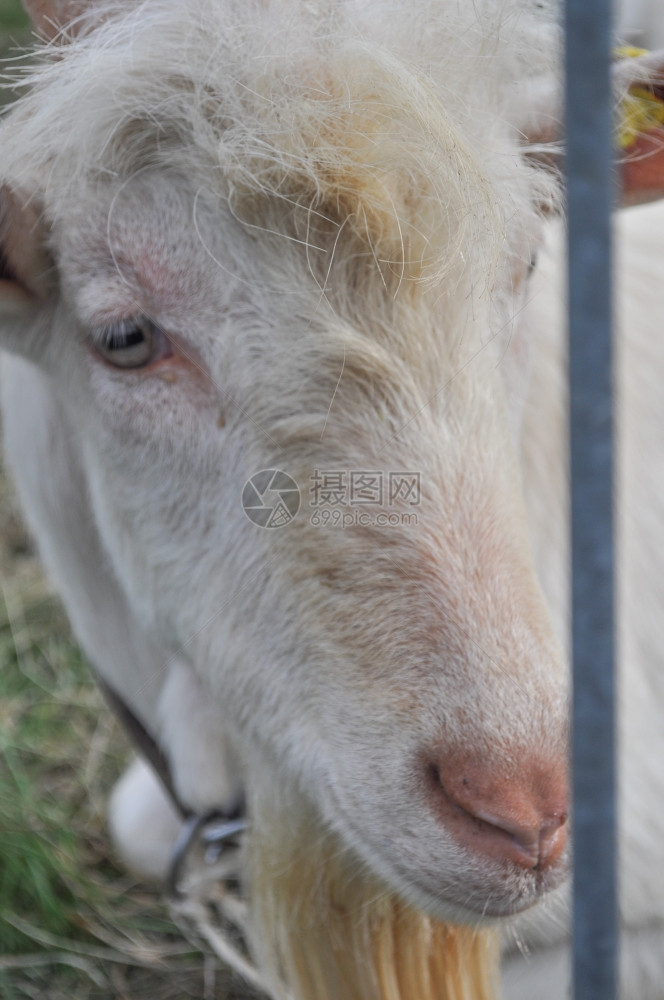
629,52
641,110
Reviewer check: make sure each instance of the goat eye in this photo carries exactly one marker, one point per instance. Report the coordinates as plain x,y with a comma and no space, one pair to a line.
533,263
130,343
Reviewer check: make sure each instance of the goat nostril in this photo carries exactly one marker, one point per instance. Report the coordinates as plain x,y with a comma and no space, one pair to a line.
552,831
523,822
534,842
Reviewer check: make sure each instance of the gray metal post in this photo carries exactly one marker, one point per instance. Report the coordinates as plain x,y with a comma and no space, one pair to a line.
590,183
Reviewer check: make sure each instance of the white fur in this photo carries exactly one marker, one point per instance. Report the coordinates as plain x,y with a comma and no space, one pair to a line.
143,822
327,207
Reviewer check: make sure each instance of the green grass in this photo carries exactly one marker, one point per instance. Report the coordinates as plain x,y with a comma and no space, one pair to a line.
15,36
46,708
12,15
73,924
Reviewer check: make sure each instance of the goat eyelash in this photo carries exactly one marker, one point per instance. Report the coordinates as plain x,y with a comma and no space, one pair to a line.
135,342
106,334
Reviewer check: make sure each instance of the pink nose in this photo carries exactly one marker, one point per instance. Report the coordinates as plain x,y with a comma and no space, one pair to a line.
518,817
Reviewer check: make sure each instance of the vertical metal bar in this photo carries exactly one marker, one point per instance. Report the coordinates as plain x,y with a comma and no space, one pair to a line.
589,201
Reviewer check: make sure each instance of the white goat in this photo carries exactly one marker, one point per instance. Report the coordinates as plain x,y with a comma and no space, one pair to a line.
241,235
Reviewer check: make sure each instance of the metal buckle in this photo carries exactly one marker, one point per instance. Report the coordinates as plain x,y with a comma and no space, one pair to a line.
204,890
214,833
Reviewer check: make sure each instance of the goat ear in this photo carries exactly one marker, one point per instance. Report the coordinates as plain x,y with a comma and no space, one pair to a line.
641,133
50,16
24,262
